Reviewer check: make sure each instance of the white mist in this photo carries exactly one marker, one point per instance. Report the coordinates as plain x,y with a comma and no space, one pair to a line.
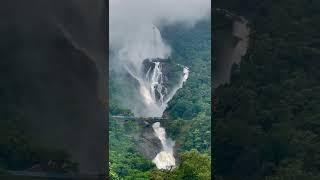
134,38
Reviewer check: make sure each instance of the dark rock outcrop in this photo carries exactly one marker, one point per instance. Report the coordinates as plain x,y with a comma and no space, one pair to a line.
147,143
172,73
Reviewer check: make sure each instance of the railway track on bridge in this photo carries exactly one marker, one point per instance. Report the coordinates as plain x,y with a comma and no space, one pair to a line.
144,120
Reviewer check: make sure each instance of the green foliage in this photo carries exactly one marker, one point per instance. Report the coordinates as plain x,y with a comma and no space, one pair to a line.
189,112
190,109
114,109
267,118
125,161
199,134
193,166
112,174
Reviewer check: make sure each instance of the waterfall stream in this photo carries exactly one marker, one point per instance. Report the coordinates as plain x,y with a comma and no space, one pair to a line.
151,86
153,91
156,94
140,57
165,158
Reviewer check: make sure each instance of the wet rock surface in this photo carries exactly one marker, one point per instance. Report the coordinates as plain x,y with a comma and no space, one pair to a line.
147,143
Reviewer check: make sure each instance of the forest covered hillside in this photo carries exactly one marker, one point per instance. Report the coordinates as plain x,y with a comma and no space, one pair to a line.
267,118
189,114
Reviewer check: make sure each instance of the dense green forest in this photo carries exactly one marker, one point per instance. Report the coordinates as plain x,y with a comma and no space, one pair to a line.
190,109
125,161
189,114
267,118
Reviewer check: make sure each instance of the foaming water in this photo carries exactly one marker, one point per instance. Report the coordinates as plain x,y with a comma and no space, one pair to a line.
165,158
179,85
149,45
153,95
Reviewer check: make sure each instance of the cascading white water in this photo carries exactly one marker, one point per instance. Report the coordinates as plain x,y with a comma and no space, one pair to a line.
134,41
179,85
164,159
154,85
154,94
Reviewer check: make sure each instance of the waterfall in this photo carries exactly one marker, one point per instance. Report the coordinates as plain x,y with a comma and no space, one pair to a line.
180,84
165,158
147,90
149,45
152,90
153,86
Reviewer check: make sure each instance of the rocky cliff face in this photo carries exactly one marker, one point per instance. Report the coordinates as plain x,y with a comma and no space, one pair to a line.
56,55
147,143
